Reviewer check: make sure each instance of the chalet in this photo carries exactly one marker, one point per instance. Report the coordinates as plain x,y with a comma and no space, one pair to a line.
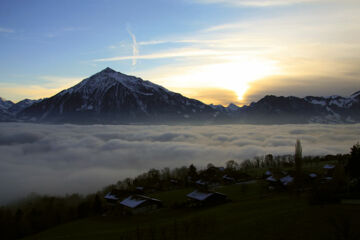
198,198
111,198
139,190
286,180
135,204
328,170
228,180
313,175
279,181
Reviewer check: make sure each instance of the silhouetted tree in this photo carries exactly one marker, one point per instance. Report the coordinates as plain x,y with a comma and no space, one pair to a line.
269,160
97,206
298,156
353,167
298,164
192,172
231,165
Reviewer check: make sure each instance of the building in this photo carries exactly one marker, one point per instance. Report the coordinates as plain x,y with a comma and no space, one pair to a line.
136,204
111,198
199,198
228,180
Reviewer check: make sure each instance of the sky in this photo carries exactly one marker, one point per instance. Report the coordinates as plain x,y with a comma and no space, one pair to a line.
218,51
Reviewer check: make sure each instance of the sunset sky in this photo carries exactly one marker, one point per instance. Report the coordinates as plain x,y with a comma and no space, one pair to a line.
218,51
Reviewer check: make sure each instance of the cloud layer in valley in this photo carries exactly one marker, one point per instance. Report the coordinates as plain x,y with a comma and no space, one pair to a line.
59,159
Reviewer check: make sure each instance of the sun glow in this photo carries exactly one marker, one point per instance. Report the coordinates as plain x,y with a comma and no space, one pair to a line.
234,74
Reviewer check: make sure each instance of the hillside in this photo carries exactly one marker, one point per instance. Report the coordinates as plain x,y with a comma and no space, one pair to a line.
251,214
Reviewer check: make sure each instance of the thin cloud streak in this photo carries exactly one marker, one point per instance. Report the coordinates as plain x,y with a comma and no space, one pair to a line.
258,3
135,49
6,30
170,54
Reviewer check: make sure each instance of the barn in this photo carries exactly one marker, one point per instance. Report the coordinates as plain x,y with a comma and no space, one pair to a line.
136,204
199,198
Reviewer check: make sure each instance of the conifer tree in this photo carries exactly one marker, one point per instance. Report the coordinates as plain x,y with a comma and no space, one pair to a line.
298,164
298,157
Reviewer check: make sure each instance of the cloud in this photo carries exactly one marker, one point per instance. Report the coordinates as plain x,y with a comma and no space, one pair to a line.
64,30
6,30
168,54
135,48
213,95
59,159
51,85
257,3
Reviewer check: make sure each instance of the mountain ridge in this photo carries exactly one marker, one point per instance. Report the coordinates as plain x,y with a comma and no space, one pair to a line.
112,97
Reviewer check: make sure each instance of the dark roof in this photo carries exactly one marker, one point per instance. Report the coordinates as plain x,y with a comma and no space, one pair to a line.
202,196
135,201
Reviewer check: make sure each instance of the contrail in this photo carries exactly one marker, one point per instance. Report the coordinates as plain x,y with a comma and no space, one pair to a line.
134,46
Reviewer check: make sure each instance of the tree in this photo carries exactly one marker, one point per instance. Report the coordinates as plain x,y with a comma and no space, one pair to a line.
231,165
298,164
269,160
192,172
298,157
353,166
97,206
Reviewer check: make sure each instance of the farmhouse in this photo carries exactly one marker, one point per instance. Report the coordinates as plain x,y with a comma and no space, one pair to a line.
135,204
111,198
206,198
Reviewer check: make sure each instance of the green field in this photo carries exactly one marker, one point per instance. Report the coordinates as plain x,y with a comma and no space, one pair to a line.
252,213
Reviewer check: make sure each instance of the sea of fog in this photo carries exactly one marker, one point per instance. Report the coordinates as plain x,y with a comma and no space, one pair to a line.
59,159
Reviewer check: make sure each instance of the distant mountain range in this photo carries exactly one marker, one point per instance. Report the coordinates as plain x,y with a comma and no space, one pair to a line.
111,97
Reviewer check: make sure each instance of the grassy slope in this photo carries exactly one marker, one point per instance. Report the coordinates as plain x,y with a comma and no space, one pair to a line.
252,214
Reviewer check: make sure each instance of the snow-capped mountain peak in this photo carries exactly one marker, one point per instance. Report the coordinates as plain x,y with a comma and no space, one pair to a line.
355,95
233,107
110,96
113,97
5,104
107,78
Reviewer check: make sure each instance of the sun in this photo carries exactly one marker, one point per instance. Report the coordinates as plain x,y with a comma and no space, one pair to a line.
235,74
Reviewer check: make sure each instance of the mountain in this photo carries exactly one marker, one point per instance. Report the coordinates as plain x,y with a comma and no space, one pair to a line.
5,115
113,97
273,109
5,104
18,107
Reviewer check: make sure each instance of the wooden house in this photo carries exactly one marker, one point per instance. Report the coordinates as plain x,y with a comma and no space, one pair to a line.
136,204
199,198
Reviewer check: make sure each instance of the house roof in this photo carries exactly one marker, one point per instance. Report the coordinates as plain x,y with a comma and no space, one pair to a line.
201,182
329,166
271,179
226,177
286,180
313,175
110,196
201,196
134,201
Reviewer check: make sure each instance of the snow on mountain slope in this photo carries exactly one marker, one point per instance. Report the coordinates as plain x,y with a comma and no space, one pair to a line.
17,107
112,97
116,97
5,104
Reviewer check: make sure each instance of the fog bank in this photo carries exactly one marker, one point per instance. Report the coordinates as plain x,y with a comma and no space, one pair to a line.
59,159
